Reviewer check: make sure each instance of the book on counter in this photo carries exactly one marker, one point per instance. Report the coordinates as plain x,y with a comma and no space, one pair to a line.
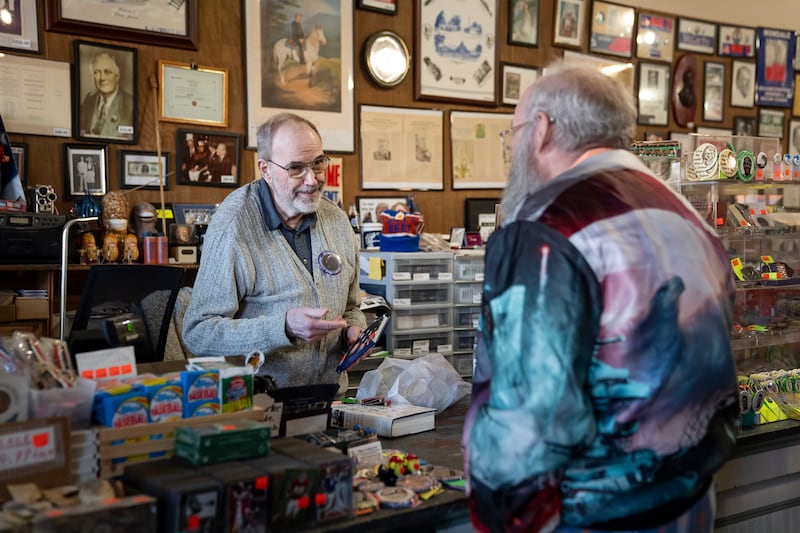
394,420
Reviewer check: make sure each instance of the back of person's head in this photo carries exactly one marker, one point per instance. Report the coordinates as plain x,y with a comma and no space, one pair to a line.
266,132
589,108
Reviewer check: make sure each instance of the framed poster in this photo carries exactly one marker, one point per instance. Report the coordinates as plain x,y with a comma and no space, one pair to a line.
713,91
192,94
105,92
19,151
654,86
370,208
20,33
523,23
42,107
387,7
139,170
655,37
697,36
743,82
570,23
318,86
456,56
737,41
794,136
622,72
172,24
612,29
193,213
770,123
207,158
478,158
515,79
401,148
744,125
86,169
774,67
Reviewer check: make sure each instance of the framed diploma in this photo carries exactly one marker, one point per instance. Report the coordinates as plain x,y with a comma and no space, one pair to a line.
193,94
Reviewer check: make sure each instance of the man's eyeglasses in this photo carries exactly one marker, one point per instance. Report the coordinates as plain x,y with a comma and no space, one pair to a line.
298,170
506,136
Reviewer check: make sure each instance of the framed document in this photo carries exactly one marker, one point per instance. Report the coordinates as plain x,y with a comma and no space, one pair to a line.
697,36
713,91
515,79
654,85
139,170
20,33
193,94
655,37
612,29
479,160
42,106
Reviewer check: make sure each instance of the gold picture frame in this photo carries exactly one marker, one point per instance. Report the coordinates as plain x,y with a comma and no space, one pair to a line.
192,94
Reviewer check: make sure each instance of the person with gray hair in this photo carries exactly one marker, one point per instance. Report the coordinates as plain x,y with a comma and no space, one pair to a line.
279,269
604,393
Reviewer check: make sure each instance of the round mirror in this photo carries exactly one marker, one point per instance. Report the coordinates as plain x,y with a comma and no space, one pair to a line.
386,57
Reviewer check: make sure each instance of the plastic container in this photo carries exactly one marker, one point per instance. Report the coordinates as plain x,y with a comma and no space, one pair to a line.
75,403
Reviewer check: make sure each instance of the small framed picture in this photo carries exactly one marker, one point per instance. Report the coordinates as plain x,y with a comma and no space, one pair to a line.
208,158
516,78
19,152
86,169
387,7
744,125
570,23
654,87
193,94
770,123
714,89
737,41
105,92
139,170
794,136
183,234
193,213
369,208
697,36
612,29
523,23
743,84
655,37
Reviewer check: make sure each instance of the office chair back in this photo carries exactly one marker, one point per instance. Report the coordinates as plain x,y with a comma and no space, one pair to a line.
145,293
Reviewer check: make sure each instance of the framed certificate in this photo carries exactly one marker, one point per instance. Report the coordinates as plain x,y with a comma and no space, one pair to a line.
193,94
612,29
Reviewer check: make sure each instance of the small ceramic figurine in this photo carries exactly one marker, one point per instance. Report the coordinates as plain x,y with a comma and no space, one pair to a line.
130,253
88,249
110,248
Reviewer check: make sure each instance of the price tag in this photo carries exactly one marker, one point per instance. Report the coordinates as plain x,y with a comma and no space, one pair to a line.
401,276
445,276
402,301
421,347
444,348
422,276
26,448
737,265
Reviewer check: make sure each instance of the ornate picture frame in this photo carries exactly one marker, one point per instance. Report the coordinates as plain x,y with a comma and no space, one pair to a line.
456,52
86,169
612,29
322,89
209,158
570,23
139,170
523,23
192,94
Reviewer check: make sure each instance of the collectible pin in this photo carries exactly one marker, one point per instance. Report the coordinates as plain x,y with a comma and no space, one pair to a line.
705,160
417,483
746,165
761,159
330,262
396,497
727,162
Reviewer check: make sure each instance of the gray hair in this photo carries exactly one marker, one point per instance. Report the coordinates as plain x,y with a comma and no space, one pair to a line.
266,132
589,108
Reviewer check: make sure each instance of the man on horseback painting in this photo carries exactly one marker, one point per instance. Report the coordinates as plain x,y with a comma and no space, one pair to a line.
299,36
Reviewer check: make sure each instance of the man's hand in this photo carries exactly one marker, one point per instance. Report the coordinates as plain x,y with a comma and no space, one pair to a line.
352,334
309,324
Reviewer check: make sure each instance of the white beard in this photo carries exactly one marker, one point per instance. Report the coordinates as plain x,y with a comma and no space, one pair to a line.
524,177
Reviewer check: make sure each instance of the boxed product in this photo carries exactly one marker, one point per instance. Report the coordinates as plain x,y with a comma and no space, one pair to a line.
119,405
200,392
245,496
235,382
219,442
164,394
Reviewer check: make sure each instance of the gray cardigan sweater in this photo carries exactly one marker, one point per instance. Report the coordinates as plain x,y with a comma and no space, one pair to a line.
250,277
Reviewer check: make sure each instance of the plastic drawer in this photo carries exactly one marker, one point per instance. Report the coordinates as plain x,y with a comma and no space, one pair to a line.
411,344
468,268
420,294
422,269
464,363
464,340
422,318
468,293
466,317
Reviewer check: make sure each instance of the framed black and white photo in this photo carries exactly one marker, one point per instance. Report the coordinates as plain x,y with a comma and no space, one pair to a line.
570,23
744,125
523,23
794,136
19,30
19,152
515,79
654,86
193,213
697,36
86,169
139,170
743,84
770,123
105,93
207,158
713,91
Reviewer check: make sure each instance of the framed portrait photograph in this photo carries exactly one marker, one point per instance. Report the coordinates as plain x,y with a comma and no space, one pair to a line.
193,94
697,36
611,29
737,41
86,169
794,136
139,170
172,24
654,89
770,123
515,79
369,207
774,67
207,158
20,32
105,93
193,213
713,91
317,84
570,23
456,63
183,234
655,37
19,151
744,125
387,7
743,84
523,23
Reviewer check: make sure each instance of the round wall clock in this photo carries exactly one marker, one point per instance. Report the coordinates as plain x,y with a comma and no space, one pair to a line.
386,58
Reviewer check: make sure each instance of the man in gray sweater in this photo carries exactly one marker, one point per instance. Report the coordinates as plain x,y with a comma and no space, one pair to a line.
279,271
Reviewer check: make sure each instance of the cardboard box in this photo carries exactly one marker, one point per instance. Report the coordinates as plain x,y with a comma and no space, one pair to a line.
8,313
32,308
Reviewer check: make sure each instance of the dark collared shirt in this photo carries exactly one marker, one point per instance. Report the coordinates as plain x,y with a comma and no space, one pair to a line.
299,239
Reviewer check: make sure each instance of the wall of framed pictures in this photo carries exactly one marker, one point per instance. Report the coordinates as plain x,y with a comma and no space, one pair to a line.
523,35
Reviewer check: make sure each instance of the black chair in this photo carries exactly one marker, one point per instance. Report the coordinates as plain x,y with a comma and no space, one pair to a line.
126,305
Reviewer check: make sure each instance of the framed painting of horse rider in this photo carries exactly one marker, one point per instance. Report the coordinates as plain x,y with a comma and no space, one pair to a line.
192,94
300,59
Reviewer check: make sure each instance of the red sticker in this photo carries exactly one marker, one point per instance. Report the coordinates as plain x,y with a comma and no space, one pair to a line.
261,483
320,498
102,373
42,439
113,371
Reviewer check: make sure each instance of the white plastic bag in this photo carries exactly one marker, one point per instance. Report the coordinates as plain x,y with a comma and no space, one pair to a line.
429,381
